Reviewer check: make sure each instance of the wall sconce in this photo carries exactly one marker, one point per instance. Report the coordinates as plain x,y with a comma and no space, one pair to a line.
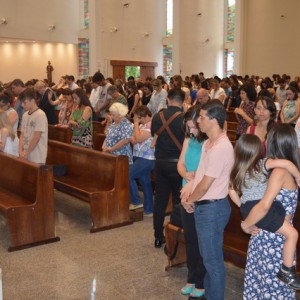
200,14
51,27
126,4
114,29
206,41
3,21
146,34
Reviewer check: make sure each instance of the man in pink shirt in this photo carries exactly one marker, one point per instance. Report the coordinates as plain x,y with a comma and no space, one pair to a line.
206,196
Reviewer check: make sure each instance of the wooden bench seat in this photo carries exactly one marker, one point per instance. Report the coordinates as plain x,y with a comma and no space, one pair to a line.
61,134
98,178
27,202
235,242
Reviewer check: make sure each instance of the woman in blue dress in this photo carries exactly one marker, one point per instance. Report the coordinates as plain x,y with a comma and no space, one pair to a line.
119,131
187,166
264,257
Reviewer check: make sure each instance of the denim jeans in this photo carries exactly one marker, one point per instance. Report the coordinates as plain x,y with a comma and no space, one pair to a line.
210,221
140,169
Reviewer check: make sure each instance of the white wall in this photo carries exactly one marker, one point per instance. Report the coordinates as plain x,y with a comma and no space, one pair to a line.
271,41
29,60
196,53
129,42
28,21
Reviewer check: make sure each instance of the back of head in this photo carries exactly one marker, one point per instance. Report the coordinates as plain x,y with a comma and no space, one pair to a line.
143,111
28,94
248,152
6,97
215,110
176,95
18,82
282,143
97,77
249,89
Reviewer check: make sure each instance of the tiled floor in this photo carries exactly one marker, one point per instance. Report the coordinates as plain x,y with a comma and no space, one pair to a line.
123,261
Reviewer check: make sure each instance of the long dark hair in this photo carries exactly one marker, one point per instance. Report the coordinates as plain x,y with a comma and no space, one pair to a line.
269,104
192,114
248,152
282,143
83,99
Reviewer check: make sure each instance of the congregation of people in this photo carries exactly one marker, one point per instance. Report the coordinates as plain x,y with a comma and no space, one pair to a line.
177,133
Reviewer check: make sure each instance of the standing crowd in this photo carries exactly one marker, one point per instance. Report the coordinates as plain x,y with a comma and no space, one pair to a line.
176,133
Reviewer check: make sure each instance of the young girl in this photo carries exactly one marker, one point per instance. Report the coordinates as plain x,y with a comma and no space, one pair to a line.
9,142
249,178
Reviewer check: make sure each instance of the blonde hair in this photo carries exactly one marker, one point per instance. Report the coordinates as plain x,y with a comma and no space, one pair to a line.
5,123
119,108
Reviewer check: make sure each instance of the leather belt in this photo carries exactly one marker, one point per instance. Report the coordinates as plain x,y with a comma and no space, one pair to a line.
203,202
168,159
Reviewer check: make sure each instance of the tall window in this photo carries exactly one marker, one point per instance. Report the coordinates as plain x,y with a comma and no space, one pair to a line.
86,17
168,48
83,57
229,38
169,17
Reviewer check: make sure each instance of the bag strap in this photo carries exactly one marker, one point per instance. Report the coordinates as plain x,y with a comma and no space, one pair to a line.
173,255
165,126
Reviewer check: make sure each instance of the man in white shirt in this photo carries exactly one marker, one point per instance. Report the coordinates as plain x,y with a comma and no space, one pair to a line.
70,82
104,98
95,94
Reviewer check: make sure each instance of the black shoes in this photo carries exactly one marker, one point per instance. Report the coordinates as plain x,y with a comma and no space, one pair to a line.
158,242
290,278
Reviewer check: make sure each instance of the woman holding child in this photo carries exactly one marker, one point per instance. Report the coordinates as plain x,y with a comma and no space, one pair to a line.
267,277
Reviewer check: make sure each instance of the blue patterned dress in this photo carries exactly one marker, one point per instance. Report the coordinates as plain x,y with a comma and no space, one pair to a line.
115,133
264,259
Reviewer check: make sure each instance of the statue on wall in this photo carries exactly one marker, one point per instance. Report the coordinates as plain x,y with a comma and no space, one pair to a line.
50,69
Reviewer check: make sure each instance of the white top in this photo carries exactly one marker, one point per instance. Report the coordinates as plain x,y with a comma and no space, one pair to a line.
11,146
94,97
31,123
8,112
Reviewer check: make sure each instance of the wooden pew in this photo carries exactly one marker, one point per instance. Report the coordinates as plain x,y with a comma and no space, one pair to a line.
235,243
61,134
98,127
98,178
27,202
98,139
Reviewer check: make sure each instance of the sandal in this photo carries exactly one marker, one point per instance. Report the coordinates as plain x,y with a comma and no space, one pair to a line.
196,294
186,290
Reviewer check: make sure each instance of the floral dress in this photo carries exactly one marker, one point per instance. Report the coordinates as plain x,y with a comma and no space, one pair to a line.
264,259
83,131
242,123
116,133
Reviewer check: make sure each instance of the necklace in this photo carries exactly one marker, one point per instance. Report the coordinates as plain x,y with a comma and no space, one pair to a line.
30,113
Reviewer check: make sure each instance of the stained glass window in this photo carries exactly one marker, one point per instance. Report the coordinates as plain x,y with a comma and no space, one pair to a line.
167,61
228,62
230,21
83,57
86,17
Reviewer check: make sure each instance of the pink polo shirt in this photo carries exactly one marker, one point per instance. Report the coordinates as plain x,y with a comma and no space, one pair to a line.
216,161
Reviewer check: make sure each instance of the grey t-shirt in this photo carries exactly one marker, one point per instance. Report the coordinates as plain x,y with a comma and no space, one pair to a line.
255,184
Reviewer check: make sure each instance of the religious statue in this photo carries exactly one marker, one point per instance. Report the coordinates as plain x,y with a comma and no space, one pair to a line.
49,72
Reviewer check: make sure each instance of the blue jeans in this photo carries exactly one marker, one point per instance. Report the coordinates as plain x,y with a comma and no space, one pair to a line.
210,221
140,169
